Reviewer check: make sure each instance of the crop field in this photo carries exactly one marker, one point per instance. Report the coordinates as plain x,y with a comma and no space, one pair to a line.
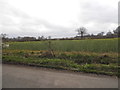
98,56
90,45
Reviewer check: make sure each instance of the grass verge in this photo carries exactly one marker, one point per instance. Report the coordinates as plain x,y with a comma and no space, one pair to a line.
111,69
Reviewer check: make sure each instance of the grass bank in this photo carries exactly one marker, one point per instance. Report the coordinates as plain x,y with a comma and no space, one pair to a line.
102,63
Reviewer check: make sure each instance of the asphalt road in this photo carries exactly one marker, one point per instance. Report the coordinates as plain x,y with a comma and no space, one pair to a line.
17,76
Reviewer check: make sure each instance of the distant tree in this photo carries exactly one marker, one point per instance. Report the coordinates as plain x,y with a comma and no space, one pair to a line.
92,35
109,33
4,37
117,31
28,38
81,31
100,34
19,38
41,38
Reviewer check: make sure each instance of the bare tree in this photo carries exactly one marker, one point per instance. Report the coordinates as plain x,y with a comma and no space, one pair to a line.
81,31
50,46
4,37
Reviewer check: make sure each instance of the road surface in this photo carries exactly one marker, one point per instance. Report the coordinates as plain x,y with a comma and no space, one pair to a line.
18,76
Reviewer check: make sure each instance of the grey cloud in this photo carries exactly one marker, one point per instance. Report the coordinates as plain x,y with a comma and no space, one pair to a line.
119,13
27,25
96,12
102,16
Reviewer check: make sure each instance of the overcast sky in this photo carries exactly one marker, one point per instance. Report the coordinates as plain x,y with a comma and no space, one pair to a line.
57,18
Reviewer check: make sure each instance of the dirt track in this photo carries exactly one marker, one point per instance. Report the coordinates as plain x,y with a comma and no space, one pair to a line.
16,76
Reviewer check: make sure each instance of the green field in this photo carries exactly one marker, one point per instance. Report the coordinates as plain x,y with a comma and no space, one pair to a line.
90,45
98,56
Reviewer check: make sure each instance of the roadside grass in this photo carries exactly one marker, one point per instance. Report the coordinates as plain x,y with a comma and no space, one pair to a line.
89,62
78,57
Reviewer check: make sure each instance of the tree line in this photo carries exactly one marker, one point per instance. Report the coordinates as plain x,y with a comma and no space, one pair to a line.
81,34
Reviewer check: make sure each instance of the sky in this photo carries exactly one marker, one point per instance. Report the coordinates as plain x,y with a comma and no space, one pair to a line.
57,18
